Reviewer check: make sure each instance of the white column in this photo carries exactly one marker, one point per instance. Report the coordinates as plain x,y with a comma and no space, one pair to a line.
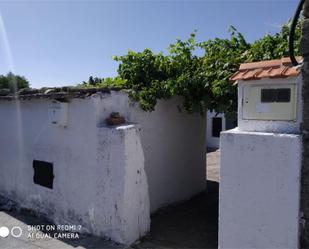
259,190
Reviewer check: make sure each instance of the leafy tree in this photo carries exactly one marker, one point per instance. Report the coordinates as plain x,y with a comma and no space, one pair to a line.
109,82
221,59
13,82
202,81
275,46
151,71
91,81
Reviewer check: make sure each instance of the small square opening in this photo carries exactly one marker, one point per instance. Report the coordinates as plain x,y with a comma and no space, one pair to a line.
284,95
43,173
268,95
280,95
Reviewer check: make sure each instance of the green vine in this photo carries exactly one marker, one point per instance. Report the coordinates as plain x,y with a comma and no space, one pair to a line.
201,80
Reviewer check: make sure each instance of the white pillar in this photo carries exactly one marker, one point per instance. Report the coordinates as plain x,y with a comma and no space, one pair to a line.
259,190
125,215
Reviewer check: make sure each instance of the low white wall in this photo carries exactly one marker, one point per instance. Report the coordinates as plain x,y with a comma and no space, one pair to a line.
101,175
259,190
269,125
99,182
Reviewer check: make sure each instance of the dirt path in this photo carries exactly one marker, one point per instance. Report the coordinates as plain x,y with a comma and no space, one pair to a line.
192,224
213,162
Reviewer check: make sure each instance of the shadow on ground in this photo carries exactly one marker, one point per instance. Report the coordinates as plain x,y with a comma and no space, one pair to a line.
191,224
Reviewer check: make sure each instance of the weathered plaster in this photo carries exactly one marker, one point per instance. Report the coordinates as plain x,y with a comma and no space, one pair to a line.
259,190
304,208
100,181
108,179
174,146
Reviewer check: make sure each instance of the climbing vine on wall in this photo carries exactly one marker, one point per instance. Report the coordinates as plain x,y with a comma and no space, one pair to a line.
201,80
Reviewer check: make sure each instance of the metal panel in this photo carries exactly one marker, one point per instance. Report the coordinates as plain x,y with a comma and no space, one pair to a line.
254,109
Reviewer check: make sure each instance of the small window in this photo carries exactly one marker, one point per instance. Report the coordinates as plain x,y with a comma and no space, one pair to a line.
284,95
268,95
43,173
276,95
216,127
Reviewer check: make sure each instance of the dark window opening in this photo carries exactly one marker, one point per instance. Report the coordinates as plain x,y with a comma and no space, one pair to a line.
268,95
43,173
216,127
284,95
281,95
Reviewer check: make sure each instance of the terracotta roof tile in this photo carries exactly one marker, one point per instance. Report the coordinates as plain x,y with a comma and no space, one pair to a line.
266,69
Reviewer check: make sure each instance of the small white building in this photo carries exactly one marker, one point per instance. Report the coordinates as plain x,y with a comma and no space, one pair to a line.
217,122
60,159
261,159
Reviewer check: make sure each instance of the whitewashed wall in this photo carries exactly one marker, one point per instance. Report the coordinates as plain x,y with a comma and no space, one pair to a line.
103,178
174,146
100,181
259,190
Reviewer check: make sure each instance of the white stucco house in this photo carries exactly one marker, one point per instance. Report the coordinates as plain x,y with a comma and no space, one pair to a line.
60,159
217,122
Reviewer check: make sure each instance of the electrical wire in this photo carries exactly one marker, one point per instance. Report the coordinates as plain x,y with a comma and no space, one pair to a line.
292,33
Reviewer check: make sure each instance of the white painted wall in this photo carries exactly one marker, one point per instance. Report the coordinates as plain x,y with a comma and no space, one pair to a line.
213,142
259,190
101,174
128,216
268,125
173,142
100,181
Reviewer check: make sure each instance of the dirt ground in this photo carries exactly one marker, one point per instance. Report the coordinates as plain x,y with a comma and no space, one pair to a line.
191,224
213,162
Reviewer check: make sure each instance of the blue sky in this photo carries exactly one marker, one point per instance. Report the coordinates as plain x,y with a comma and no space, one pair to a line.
57,43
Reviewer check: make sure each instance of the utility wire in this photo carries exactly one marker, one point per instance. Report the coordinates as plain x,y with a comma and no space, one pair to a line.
292,33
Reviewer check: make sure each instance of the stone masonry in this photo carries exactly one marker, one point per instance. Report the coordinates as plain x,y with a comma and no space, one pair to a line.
304,223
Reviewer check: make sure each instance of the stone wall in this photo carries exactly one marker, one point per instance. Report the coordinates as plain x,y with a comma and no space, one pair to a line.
304,223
